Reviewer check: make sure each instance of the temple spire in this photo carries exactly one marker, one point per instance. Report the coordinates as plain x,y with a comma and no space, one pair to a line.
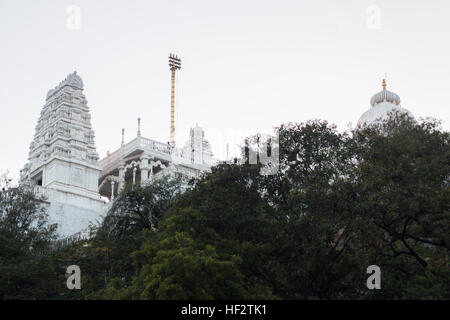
384,84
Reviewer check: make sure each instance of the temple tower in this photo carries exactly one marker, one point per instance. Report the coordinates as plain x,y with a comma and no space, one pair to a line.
63,162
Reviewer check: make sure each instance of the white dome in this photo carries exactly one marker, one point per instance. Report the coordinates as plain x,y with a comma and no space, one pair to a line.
383,104
380,112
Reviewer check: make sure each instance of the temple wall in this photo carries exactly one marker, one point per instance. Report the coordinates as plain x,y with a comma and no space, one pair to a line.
72,219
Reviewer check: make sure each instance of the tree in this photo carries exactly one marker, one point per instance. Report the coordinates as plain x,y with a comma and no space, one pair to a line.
138,208
202,247
179,267
312,229
403,196
25,243
339,203
403,187
312,196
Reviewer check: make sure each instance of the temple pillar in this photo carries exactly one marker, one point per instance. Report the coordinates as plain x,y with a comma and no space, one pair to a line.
150,176
121,176
112,190
144,169
134,175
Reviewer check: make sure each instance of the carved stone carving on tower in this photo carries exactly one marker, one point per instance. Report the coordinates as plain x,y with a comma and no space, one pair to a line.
63,161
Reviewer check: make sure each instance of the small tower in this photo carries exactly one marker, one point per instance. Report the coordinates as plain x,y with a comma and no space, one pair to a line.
174,64
197,148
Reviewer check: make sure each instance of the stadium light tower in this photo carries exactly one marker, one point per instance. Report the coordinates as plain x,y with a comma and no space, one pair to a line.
174,64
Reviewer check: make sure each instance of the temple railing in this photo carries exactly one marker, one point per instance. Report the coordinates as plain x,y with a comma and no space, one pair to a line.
161,151
155,145
111,161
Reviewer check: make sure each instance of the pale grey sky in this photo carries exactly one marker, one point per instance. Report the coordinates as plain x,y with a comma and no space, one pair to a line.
246,65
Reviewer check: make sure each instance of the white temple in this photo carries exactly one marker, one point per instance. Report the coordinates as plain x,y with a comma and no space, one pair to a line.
64,166
382,105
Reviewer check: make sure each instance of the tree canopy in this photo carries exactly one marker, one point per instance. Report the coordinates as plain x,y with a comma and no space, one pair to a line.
338,203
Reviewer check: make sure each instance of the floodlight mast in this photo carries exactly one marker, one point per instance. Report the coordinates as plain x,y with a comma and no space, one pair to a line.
174,64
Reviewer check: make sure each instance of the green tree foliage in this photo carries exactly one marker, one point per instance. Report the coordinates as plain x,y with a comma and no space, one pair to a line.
223,224
140,208
311,195
403,194
402,184
25,245
179,267
339,203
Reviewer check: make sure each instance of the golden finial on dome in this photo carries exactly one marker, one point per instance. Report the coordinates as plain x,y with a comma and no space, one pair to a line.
384,84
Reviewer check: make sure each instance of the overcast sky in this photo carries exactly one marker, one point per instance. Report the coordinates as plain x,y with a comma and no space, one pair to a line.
247,66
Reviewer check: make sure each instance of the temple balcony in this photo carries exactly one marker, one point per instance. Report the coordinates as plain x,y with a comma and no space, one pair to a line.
135,148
